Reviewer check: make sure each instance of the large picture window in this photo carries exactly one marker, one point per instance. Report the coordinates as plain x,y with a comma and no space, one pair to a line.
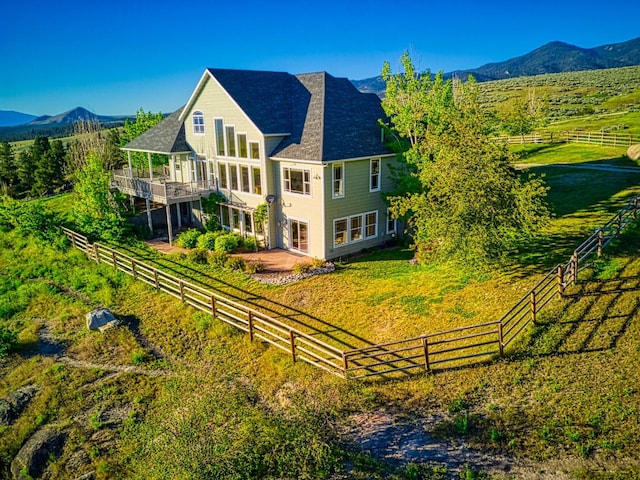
297,181
355,228
219,130
257,183
242,145
231,140
198,122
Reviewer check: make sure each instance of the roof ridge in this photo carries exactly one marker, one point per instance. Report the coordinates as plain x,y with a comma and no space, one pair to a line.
322,113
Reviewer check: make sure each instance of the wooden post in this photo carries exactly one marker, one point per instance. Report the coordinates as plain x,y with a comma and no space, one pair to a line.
574,267
560,280
73,241
133,269
250,326
113,258
213,305
169,229
600,238
155,277
293,345
181,284
500,339
345,365
95,252
425,349
619,223
634,211
532,305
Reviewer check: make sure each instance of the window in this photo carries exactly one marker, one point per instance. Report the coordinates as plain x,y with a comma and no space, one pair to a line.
391,223
338,180
224,216
248,224
355,228
257,184
219,130
233,175
242,145
374,184
231,140
254,150
198,123
244,178
370,224
235,218
297,181
222,175
339,231
299,236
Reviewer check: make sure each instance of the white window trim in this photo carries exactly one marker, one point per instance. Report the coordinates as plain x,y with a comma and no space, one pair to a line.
363,228
299,220
346,232
200,115
395,223
246,143
289,192
215,134
226,141
333,180
249,142
377,189
364,225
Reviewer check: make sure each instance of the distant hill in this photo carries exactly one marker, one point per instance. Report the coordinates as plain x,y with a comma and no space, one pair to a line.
60,125
554,57
9,118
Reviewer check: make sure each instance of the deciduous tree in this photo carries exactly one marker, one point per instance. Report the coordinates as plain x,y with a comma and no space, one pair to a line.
458,193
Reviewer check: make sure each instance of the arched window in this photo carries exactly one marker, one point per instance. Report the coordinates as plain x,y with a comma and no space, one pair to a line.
198,122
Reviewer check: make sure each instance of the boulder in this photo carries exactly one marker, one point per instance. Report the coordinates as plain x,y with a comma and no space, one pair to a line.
633,152
101,319
31,460
13,406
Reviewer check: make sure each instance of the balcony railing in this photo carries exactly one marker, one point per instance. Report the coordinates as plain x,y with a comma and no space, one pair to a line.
160,189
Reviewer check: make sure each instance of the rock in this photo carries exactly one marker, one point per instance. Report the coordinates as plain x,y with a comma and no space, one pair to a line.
31,460
101,319
78,461
13,406
633,152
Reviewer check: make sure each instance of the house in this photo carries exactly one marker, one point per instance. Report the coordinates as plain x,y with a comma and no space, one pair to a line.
309,146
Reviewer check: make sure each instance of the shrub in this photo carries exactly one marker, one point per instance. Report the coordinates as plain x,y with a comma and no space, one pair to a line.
255,266
227,242
302,267
236,263
317,263
250,243
188,238
198,255
218,259
208,240
8,340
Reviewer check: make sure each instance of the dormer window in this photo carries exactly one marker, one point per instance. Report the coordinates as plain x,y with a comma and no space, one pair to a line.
198,123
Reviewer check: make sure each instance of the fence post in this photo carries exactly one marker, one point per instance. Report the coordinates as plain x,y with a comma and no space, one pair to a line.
574,267
133,269
155,277
560,280
600,238
73,241
619,223
345,365
292,344
113,258
181,284
425,349
634,208
500,339
95,252
532,305
250,326
213,305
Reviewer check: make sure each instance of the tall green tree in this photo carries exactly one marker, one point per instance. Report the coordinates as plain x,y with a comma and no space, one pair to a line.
49,170
144,121
8,172
97,211
26,166
523,115
458,192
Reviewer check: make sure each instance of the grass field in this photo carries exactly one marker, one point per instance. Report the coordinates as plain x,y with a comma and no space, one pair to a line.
199,397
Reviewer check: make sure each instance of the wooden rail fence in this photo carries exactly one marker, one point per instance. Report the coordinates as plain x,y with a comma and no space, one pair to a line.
610,139
451,348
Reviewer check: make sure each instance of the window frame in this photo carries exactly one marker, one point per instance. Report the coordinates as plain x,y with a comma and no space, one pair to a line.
287,181
391,221
241,141
218,128
230,140
251,150
337,193
256,183
366,225
344,233
374,175
198,126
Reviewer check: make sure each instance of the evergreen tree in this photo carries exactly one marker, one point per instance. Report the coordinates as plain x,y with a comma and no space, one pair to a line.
8,173
48,176
25,169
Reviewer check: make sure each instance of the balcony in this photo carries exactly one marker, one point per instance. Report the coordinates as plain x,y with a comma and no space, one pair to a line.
160,189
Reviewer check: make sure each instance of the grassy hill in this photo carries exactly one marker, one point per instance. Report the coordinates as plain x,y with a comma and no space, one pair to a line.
173,393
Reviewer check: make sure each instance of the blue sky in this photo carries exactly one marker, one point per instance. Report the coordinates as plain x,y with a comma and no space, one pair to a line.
117,56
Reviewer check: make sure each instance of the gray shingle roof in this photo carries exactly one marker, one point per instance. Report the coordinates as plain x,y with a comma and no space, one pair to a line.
166,137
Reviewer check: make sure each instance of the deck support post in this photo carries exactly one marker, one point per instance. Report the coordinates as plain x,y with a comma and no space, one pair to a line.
169,229
149,222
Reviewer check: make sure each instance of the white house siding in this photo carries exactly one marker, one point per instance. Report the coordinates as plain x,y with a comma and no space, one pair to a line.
357,199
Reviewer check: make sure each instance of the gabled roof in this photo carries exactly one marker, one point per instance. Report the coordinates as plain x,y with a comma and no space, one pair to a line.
332,121
166,137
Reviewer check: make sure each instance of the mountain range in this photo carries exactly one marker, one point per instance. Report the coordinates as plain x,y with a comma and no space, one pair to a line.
554,57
